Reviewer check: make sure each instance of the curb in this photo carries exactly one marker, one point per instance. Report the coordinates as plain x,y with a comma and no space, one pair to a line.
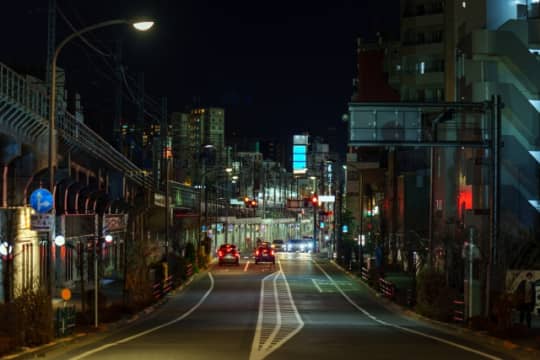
521,351
102,327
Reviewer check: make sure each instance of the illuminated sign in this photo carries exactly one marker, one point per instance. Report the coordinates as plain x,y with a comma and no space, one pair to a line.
299,159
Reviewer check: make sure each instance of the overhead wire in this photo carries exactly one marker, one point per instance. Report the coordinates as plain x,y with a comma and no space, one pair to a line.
153,104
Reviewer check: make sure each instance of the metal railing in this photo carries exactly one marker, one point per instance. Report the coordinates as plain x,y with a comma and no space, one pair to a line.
24,111
23,105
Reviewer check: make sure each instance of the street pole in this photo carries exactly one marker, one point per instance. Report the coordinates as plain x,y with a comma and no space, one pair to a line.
166,154
96,287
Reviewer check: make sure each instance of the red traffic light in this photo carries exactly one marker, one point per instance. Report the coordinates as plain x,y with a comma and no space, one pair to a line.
315,200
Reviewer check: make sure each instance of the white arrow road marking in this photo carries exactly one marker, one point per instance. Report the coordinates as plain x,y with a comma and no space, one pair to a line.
278,319
411,331
146,332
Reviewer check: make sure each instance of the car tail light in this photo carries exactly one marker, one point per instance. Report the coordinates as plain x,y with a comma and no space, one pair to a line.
271,252
220,253
237,254
257,253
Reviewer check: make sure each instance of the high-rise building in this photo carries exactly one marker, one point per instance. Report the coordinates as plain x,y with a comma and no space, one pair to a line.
197,136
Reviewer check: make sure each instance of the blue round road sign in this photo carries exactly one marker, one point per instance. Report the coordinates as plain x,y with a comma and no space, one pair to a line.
41,200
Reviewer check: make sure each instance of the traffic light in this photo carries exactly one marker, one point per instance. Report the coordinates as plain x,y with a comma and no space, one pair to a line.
253,203
314,200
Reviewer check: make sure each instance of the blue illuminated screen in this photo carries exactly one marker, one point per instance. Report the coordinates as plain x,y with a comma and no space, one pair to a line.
299,157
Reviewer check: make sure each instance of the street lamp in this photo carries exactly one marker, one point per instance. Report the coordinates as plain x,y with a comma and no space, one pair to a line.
140,25
137,24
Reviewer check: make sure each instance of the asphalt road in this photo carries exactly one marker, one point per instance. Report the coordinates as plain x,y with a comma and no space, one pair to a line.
296,309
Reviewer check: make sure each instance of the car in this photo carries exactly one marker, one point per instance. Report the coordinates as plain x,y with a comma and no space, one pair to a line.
228,253
265,253
278,245
300,245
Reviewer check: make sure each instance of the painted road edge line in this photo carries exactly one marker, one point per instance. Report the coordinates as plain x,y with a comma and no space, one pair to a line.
146,332
246,267
415,332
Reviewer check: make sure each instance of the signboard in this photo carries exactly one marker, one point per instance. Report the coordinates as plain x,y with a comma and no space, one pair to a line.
42,222
159,200
41,200
114,222
327,198
299,159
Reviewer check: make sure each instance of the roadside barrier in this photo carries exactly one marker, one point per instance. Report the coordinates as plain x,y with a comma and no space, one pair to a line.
364,273
162,287
189,270
459,311
387,288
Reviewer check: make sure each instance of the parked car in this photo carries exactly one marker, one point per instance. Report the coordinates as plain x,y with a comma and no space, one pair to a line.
300,245
228,253
278,245
265,253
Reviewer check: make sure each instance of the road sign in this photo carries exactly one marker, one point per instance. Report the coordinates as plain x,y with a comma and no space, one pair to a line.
42,222
41,200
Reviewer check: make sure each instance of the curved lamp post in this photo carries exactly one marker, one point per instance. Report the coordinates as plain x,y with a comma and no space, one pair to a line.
140,25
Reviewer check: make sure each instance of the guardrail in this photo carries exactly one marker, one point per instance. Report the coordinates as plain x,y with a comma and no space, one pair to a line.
387,288
162,287
459,310
189,270
364,273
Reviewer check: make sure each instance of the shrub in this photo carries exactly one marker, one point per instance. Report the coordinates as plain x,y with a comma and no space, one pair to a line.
30,318
433,296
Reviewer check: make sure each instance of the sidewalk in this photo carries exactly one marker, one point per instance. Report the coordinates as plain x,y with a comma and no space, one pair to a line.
526,347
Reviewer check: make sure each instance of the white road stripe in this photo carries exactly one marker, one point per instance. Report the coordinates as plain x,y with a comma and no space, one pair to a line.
146,332
316,285
246,267
285,319
365,312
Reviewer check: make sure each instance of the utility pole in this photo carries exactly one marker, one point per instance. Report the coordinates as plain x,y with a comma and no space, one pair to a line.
166,154
117,126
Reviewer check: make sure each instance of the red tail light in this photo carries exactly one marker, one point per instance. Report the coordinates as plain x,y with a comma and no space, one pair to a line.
271,252
237,254
257,253
220,253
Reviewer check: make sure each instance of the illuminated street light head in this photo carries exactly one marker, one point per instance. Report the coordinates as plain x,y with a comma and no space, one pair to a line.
142,25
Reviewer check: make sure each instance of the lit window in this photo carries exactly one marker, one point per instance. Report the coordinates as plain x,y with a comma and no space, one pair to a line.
422,67
464,4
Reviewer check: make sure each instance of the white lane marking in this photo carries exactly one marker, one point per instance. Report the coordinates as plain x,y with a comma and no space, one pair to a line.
258,329
316,285
246,267
279,309
365,312
146,332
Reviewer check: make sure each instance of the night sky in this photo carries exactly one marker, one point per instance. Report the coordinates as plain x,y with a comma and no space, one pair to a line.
279,67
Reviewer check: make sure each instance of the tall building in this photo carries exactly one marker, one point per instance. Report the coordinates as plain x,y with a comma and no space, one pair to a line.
503,59
197,137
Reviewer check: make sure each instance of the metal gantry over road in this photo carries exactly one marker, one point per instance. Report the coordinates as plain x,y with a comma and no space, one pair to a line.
301,308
